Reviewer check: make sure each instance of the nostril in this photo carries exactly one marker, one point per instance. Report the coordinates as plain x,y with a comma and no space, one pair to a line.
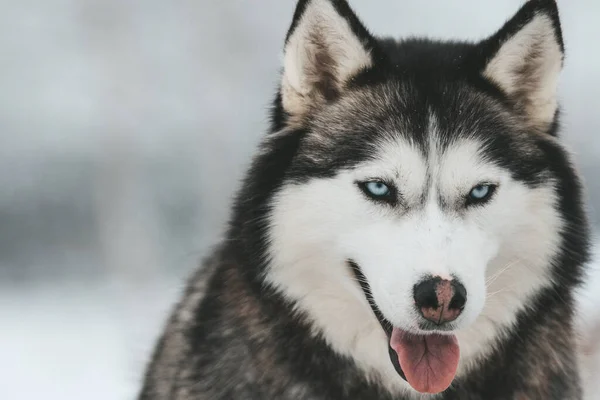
460,296
440,300
425,293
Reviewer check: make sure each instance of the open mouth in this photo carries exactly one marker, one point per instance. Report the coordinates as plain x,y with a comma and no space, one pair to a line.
428,362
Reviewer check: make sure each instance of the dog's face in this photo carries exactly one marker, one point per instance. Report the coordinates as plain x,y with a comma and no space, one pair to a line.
424,196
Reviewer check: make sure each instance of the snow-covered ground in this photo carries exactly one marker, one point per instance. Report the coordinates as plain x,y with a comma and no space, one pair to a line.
80,339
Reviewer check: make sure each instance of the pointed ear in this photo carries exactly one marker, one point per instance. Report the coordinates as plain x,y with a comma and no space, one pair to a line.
524,60
325,47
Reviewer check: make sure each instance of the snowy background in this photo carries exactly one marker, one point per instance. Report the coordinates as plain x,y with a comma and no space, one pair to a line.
125,126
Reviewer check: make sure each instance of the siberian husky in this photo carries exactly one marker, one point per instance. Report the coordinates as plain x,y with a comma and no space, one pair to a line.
411,227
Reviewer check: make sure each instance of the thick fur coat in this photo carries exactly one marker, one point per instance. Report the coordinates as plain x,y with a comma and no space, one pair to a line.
390,166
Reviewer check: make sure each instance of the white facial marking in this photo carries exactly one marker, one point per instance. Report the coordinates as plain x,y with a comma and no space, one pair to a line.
500,251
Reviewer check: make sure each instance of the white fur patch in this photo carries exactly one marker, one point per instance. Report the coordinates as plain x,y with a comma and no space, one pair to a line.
308,266
529,64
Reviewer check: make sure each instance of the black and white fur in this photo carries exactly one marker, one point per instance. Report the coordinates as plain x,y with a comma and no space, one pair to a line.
277,313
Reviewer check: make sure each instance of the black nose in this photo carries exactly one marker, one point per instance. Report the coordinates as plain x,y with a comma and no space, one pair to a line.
440,300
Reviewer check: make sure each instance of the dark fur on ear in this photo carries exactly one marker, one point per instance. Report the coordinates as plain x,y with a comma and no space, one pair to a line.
529,10
344,10
524,59
325,47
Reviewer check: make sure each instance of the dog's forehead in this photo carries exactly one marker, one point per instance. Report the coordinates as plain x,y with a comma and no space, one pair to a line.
370,113
446,119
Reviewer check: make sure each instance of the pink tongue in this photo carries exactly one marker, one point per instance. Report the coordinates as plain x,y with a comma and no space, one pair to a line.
428,361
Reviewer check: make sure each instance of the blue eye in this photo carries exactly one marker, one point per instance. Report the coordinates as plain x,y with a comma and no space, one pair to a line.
481,193
377,190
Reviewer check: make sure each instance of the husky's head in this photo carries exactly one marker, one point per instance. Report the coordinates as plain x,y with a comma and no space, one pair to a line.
415,186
